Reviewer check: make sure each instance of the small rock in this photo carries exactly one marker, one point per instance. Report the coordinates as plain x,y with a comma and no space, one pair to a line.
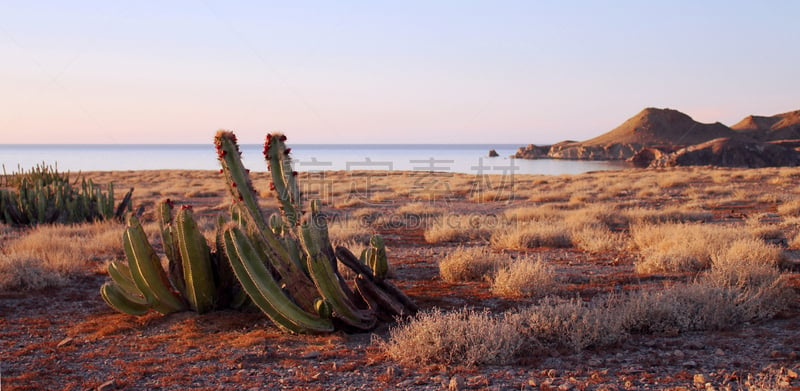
719,352
699,379
566,387
775,354
64,342
552,373
107,386
532,382
679,354
393,371
695,345
594,363
405,383
791,374
493,153
456,383
690,364
311,354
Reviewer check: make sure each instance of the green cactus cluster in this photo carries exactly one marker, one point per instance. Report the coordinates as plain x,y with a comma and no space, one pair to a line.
45,196
196,278
285,264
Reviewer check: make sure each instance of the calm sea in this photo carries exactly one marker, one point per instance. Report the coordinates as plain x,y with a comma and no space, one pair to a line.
462,158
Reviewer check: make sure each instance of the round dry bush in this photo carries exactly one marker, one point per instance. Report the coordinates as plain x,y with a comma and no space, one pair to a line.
598,239
469,264
530,235
464,337
680,247
460,228
525,278
572,324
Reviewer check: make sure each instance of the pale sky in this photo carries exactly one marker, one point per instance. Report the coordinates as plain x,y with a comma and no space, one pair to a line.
385,72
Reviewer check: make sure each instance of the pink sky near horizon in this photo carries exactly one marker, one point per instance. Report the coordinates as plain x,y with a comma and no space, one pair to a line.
417,72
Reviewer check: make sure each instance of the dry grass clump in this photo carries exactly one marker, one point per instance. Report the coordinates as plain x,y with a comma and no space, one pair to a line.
680,247
464,337
419,209
460,228
573,324
598,239
533,213
523,236
674,214
525,278
349,230
469,264
48,256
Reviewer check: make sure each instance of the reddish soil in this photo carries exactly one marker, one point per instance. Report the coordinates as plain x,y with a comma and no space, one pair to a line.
68,338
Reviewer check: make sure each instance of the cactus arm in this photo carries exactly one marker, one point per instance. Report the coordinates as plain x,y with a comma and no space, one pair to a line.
376,259
283,178
196,256
169,242
121,274
236,176
147,272
373,294
124,205
329,286
291,274
351,261
249,266
122,301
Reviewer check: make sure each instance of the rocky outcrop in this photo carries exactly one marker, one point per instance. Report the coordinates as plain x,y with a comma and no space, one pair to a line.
493,153
582,151
647,155
777,127
731,152
532,151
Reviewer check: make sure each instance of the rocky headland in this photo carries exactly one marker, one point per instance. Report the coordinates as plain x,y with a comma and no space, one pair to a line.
665,137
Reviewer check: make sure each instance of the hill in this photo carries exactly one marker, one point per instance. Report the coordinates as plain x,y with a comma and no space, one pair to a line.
784,126
652,127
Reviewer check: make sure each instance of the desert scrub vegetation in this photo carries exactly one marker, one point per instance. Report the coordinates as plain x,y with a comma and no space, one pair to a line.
468,337
525,277
687,247
463,337
469,264
52,256
460,228
525,235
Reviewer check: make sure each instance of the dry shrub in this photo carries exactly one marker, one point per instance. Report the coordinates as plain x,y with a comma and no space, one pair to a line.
469,264
674,214
525,278
419,209
680,247
533,213
463,337
460,228
790,208
471,338
52,255
349,230
491,195
574,324
532,234
598,239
